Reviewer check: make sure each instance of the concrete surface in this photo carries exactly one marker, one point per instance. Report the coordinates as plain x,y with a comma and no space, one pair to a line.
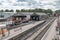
16,31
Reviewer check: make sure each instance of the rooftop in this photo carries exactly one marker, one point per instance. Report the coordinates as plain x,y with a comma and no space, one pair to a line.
5,15
30,13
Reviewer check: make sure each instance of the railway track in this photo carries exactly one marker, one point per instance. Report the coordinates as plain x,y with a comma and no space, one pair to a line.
16,26
41,34
30,32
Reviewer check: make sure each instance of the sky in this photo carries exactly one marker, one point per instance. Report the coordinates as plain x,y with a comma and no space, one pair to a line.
30,4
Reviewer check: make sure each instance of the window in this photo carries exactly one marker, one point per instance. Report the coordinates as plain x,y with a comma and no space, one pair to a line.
1,16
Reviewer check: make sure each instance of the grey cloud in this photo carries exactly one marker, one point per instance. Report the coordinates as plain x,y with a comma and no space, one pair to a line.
34,4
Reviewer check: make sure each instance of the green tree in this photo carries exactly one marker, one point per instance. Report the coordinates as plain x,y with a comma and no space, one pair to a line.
17,10
6,10
57,11
11,10
48,11
38,10
22,10
1,10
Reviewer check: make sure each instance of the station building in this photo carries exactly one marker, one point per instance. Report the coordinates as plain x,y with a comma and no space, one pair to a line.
6,18
35,16
19,17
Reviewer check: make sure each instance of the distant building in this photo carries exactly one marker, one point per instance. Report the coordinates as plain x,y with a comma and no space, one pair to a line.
38,16
30,13
19,17
34,17
6,18
10,17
